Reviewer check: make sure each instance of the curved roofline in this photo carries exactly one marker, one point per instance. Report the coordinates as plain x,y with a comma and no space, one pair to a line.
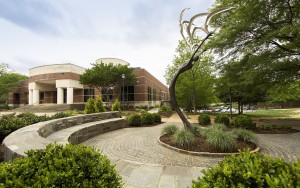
57,64
112,58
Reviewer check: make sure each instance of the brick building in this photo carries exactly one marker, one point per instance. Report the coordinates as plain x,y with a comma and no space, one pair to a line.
59,84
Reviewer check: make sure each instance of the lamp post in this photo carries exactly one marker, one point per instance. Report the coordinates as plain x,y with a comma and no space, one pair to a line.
123,93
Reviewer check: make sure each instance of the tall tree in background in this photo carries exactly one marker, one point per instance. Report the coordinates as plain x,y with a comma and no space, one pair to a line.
8,81
194,89
263,34
104,76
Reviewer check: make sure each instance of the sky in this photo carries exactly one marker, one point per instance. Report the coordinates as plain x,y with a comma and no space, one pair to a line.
142,32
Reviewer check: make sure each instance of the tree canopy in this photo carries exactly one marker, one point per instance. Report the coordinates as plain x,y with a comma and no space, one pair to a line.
106,75
8,82
195,88
258,47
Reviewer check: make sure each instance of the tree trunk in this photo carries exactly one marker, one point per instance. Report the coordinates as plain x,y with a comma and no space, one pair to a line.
181,70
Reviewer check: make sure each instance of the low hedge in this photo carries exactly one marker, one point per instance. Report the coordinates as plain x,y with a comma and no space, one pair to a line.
58,166
147,118
222,118
204,119
250,170
243,122
135,120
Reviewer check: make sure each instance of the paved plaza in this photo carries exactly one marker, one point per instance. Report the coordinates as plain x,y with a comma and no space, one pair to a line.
142,162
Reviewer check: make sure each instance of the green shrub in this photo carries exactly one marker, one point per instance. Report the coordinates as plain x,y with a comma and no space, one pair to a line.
4,107
116,106
205,131
8,116
250,170
147,118
72,112
58,166
156,117
244,122
135,120
170,130
221,140
99,107
59,115
90,106
28,118
222,118
165,108
204,119
246,135
184,138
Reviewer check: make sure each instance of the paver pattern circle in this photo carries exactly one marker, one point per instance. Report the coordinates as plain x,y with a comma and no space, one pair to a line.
141,145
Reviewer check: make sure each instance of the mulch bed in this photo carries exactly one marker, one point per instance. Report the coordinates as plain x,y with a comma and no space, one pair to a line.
202,146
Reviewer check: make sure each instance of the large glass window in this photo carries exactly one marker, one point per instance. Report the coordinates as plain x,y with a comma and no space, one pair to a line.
128,93
149,94
89,93
107,94
154,94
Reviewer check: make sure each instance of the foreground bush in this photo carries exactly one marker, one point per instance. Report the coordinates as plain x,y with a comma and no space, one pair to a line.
222,118
250,170
135,120
204,119
243,122
170,130
58,166
184,138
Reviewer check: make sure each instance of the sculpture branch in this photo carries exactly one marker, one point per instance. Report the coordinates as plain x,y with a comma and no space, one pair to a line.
182,69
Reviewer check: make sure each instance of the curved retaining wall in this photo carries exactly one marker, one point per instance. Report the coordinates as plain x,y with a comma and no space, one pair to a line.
34,136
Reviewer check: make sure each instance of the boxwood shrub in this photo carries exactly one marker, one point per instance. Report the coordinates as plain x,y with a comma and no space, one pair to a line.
244,122
157,117
135,120
250,170
147,118
222,118
58,166
204,119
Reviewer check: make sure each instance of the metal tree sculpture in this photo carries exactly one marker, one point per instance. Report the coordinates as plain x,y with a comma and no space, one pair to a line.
189,31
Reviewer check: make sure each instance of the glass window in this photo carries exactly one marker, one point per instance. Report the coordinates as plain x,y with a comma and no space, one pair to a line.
89,93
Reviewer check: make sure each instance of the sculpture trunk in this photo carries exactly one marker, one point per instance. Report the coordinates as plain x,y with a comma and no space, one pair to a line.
182,69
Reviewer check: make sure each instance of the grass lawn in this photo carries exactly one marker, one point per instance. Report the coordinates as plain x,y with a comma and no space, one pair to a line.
276,113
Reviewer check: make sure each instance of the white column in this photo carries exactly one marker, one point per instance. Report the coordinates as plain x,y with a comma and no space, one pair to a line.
30,97
70,92
60,95
36,97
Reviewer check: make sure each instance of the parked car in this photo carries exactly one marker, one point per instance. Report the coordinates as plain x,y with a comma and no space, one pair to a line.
227,109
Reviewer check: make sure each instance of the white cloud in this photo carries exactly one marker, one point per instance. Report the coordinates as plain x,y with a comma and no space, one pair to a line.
144,33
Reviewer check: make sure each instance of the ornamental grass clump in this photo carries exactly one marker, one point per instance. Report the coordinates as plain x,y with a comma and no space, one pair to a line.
170,130
221,140
246,135
204,119
184,138
205,131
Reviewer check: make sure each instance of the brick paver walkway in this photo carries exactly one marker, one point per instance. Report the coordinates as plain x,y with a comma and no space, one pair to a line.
142,162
